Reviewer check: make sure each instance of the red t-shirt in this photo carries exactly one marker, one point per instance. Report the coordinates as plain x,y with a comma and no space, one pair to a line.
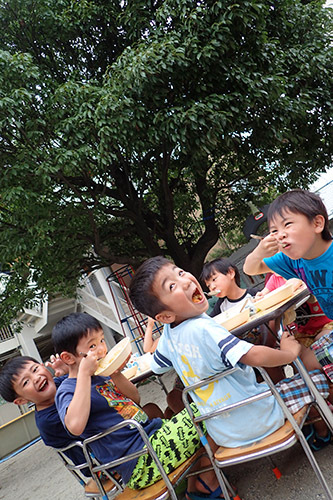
311,325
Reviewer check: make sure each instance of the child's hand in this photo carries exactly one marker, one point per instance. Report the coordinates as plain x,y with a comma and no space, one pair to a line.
56,363
89,363
258,295
268,246
151,323
123,365
261,294
289,343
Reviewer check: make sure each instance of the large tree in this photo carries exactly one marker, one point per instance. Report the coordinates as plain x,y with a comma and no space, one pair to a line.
134,128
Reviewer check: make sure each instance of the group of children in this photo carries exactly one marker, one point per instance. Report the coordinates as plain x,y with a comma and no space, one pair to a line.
196,346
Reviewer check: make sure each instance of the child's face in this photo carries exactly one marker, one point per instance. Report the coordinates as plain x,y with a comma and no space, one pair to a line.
95,342
180,292
222,282
35,383
295,234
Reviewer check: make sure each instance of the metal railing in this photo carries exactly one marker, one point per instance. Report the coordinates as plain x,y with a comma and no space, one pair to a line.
6,333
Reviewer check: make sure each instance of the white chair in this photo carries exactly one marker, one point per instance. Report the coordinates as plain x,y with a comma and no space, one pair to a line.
283,438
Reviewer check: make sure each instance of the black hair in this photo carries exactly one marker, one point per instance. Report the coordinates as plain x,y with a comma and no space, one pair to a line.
303,202
9,373
220,266
70,329
141,286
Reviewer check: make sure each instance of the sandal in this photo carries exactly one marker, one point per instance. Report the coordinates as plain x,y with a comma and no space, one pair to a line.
196,495
320,442
316,442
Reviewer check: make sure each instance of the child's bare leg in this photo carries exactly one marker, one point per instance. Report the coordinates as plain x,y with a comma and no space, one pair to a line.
276,373
175,401
168,413
322,333
153,411
311,363
318,435
208,477
309,359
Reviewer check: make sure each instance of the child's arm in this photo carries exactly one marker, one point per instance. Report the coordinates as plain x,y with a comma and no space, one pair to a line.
261,294
78,410
125,386
149,344
254,263
264,356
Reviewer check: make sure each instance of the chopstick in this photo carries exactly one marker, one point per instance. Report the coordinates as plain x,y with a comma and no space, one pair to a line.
256,237
245,302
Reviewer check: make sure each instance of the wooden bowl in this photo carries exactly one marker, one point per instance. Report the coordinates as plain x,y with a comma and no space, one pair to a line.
114,358
232,318
275,297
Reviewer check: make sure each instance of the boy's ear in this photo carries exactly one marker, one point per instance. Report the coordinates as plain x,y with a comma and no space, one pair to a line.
231,272
165,317
67,357
319,223
21,401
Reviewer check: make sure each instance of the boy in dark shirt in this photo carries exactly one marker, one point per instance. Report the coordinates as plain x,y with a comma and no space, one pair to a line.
88,404
24,380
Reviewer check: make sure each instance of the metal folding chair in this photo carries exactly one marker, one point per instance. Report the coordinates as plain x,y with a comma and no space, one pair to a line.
318,400
165,488
110,485
283,438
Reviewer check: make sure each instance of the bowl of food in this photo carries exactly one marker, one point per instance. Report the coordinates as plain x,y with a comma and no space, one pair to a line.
275,297
232,318
130,372
114,358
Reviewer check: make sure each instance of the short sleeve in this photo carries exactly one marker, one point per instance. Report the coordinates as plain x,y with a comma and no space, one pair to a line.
161,362
281,264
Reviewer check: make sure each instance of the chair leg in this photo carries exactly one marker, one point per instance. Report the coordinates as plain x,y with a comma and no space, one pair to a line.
225,485
275,469
231,489
314,465
320,402
223,482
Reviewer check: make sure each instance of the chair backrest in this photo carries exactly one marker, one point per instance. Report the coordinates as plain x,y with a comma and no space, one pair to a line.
95,468
74,459
271,391
272,448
